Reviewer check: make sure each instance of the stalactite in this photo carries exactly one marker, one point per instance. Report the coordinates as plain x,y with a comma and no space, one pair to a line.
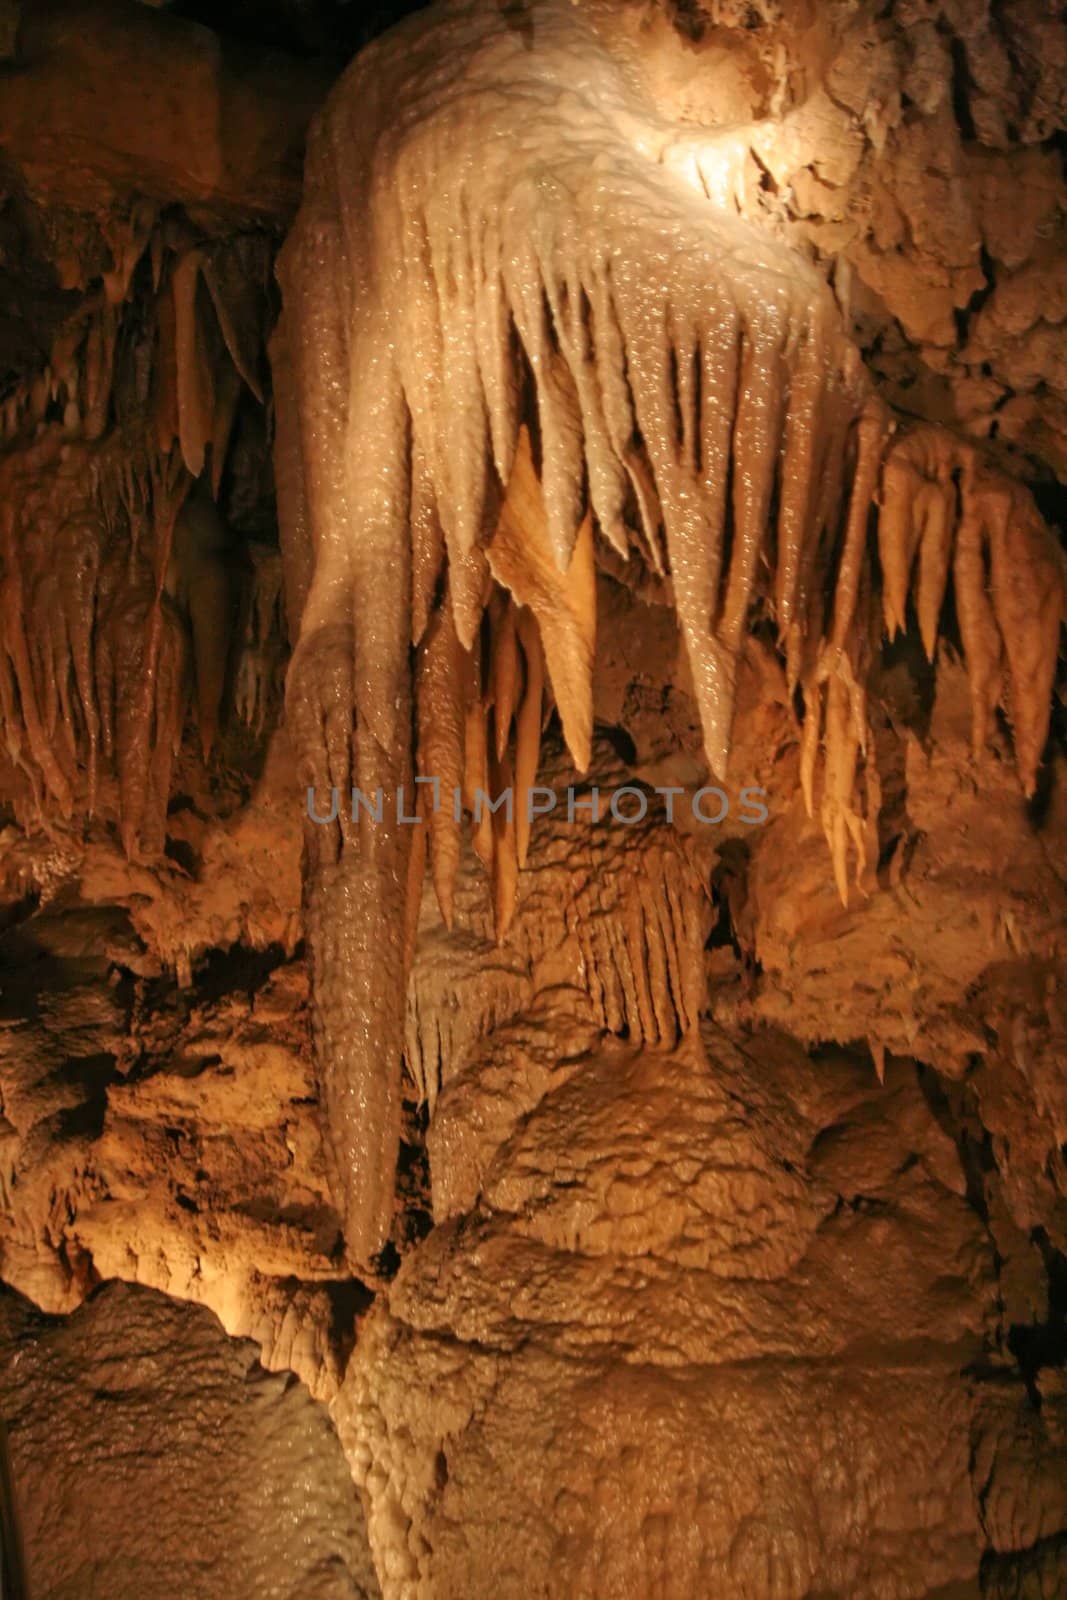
99,366
515,326
147,645
227,396
128,237
1029,588
234,276
527,729
196,393
505,671
476,775
505,870
834,698
165,370
937,517
79,546
563,602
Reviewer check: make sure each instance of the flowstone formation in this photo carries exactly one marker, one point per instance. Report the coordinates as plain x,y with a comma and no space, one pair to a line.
528,327
653,1358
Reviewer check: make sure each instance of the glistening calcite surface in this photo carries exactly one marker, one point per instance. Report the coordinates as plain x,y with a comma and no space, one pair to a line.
535,321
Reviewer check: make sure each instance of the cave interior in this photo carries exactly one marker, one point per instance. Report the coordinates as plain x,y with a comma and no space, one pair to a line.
533,800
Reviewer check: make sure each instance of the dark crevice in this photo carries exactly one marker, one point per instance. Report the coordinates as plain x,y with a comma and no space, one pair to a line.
961,87
964,315
1043,1344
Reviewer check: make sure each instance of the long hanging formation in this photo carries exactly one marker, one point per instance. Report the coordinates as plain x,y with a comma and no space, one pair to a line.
523,321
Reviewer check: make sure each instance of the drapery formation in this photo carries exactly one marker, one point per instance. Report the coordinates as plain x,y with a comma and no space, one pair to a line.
522,316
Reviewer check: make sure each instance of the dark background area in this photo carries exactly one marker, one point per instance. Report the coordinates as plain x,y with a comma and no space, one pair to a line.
332,28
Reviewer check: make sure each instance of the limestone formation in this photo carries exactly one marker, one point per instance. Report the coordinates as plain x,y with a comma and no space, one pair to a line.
533,800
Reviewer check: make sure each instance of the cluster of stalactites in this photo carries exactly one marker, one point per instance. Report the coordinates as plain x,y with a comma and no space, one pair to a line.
732,447
92,667
708,422
163,350
481,710
113,559
693,396
946,513
717,426
947,520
